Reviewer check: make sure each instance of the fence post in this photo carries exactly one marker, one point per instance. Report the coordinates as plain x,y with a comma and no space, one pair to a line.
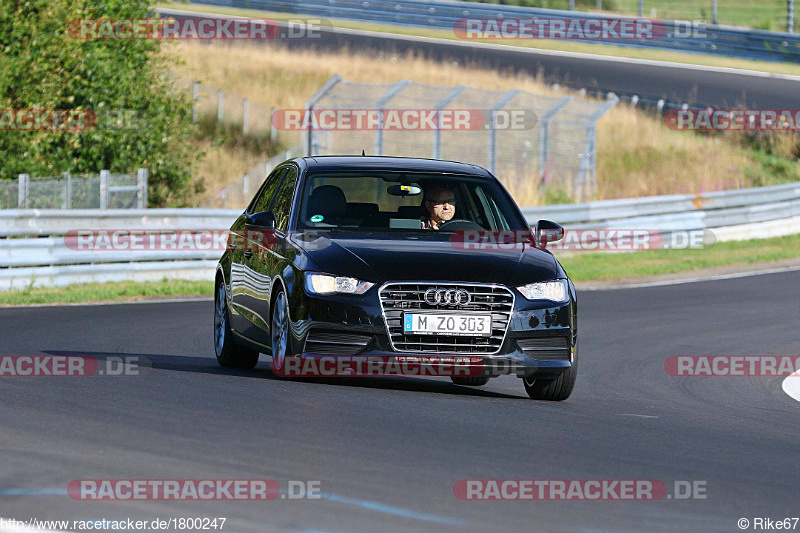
714,11
68,191
790,17
273,132
492,163
385,99
599,5
572,5
104,189
22,189
307,136
441,104
141,181
641,8
245,115
544,135
245,185
219,105
195,96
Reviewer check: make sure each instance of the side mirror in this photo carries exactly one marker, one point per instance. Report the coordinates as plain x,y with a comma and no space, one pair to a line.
547,231
262,220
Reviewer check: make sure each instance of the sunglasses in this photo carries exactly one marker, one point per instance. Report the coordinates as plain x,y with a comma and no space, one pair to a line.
437,203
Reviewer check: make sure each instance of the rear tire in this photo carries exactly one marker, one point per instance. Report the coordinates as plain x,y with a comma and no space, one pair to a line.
472,381
554,390
229,354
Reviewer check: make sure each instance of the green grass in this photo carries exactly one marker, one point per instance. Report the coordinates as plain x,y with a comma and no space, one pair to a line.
567,46
126,291
598,266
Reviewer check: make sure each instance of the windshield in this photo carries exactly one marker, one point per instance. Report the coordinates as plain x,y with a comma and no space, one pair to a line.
404,201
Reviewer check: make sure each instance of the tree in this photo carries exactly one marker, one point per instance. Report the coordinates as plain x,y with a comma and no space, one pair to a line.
142,121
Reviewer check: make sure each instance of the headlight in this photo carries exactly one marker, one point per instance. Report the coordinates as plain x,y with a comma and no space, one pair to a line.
555,291
328,284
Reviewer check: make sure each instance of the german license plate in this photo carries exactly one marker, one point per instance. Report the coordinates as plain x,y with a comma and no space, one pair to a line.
447,324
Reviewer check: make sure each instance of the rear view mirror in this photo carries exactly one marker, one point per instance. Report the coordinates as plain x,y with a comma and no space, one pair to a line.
547,231
404,190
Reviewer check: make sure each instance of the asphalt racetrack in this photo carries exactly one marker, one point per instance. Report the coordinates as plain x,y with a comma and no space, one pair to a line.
388,451
671,81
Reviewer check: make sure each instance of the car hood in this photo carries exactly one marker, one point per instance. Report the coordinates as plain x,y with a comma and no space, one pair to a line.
381,258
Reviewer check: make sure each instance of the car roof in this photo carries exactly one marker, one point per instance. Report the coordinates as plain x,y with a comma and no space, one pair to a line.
386,163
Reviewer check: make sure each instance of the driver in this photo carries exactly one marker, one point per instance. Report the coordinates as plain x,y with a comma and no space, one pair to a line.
440,202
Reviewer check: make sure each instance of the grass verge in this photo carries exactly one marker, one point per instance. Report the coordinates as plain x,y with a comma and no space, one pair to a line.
126,291
581,267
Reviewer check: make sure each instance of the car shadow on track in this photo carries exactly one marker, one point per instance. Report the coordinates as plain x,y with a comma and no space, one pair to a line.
208,365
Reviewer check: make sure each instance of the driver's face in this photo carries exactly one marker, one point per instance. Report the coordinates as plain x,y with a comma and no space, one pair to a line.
442,206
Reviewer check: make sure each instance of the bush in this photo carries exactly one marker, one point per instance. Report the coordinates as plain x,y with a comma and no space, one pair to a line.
43,67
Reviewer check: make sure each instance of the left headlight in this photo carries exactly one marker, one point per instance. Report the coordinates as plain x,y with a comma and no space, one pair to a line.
555,291
329,284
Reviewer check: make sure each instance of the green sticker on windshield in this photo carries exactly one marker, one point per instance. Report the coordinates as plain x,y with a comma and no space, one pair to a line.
317,218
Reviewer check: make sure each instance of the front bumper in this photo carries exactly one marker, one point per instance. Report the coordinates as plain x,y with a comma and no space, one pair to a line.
337,316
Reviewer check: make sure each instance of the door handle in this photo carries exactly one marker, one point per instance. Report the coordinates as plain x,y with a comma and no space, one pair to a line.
248,254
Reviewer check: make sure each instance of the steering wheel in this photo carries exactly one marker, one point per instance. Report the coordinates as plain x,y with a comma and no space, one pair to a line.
459,224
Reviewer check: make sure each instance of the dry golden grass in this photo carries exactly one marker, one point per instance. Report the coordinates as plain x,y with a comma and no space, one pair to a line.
637,154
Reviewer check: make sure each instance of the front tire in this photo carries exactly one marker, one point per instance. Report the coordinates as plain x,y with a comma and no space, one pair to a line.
279,332
229,354
554,390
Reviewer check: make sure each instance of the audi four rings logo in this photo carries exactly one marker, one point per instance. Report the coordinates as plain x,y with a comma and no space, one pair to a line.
447,296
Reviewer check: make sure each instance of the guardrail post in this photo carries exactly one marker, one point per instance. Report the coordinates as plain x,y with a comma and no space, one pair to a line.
195,96
385,99
572,5
713,11
309,147
141,180
68,190
790,17
492,155
245,115
441,104
104,189
220,113
641,8
22,189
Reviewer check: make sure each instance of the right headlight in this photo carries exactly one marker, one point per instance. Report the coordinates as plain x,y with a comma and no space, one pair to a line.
554,291
329,284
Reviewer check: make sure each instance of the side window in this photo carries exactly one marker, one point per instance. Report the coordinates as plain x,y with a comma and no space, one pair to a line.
283,201
264,197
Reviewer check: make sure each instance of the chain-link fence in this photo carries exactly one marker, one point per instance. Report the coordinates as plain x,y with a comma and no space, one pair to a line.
81,191
215,106
531,142
237,194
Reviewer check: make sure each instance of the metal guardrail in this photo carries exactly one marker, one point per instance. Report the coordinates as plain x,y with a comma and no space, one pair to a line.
34,252
679,36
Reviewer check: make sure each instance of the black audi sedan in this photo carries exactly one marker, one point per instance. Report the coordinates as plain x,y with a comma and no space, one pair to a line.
401,259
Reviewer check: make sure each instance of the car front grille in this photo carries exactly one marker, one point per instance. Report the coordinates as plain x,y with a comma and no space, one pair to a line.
335,343
397,298
546,348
